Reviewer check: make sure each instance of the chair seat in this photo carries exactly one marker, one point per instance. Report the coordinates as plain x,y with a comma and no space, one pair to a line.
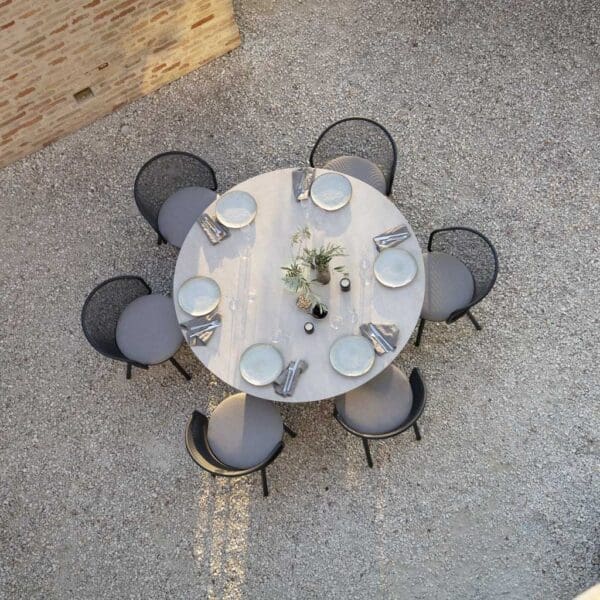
180,211
361,168
243,430
449,286
147,330
379,406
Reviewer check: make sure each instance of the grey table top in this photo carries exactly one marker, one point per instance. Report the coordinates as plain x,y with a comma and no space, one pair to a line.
256,307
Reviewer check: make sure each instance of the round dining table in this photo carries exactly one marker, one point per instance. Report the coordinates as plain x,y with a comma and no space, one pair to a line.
256,307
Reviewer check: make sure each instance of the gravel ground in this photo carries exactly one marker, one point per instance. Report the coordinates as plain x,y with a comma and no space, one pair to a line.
494,105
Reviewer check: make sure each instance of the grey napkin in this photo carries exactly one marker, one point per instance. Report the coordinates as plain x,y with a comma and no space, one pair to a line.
383,337
301,181
285,384
200,329
391,237
214,231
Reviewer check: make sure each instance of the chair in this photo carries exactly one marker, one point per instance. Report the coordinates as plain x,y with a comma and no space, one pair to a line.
169,213
360,148
384,407
461,267
243,435
123,320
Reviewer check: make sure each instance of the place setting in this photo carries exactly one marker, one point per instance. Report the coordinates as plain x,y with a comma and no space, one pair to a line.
234,210
199,297
262,364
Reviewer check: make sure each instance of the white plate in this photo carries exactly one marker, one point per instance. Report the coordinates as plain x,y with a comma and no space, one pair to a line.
260,364
331,191
236,209
395,267
199,295
352,355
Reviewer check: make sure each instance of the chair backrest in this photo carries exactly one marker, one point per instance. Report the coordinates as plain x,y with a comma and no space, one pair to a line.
476,252
356,136
417,385
102,309
196,443
166,173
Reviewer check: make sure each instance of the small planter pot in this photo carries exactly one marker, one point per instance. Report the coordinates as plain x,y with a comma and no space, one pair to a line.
323,276
319,311
304,304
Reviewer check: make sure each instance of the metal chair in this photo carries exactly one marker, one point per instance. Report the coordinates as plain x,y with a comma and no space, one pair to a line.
358,147
100,316
461,267
248,428
163,175
389,399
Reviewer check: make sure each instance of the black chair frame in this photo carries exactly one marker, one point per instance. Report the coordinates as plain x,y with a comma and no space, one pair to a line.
116,354
477,298
389,178
196,443
419,398
153,221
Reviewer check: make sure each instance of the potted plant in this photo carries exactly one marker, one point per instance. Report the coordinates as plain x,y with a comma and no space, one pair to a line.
319,259
295,280
295,277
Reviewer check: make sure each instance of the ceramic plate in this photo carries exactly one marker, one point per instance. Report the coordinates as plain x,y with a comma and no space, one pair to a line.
260,364
199,295
331,191
395,267
352,355
236,209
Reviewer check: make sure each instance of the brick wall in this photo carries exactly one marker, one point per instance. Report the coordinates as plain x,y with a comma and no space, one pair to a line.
64,63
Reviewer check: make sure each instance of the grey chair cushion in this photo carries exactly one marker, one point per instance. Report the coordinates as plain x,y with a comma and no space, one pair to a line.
180,211
448,286
147,330
244,430
361,168
380,405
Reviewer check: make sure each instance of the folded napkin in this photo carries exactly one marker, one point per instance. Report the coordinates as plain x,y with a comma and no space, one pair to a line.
391,237
383,337
200,329
302,179
285,384
214,231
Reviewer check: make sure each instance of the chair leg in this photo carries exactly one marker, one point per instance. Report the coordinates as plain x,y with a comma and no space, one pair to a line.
289,431
128,372
263,475
367,452
180,368
417,431
474,321
420,332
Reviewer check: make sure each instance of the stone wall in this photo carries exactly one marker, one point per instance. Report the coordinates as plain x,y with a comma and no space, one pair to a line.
64,63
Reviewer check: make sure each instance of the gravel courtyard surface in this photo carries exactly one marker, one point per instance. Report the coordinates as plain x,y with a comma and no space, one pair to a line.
495,109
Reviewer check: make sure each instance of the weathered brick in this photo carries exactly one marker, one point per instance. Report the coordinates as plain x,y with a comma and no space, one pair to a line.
202,21
25,92
164,46
103,14
123,13
59,29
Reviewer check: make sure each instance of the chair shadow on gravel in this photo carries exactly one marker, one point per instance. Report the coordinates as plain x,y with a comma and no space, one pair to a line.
318,486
